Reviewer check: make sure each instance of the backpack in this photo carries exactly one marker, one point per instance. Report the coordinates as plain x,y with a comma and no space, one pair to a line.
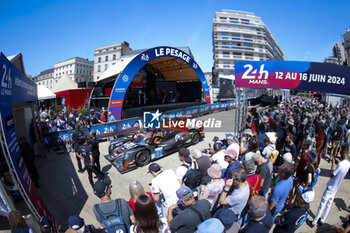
254,192
273,154
314,176
193,176
114,221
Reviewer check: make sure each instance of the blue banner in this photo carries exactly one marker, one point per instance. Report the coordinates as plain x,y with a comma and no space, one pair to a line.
15,87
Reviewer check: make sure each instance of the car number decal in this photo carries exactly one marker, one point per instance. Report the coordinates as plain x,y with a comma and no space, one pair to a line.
157,153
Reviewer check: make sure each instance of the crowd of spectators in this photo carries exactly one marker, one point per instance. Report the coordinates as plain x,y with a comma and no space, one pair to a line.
264,179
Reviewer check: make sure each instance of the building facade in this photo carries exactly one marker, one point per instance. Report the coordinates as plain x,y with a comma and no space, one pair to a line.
45,78
80,70
339,53
107,56
346,37
331,60
240,36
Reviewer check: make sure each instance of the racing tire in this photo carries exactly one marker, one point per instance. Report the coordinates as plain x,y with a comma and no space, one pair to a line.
195,138
142,158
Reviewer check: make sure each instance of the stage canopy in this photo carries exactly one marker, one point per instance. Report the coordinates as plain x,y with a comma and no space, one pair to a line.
44,93
172,64
168,66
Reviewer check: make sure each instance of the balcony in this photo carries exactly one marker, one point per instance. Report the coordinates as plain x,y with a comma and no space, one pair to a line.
238,23
234,38
240,48
245,31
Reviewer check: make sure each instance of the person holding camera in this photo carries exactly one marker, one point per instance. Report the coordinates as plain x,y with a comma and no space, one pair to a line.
194,213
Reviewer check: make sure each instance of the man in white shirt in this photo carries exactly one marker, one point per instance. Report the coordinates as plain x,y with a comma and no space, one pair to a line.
333,184
163,186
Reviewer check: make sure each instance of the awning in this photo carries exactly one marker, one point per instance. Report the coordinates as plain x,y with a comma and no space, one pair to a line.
44,93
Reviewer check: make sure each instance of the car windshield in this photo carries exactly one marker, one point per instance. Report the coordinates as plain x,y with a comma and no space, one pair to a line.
143,137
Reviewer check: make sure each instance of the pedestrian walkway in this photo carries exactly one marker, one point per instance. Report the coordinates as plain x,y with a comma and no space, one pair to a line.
67,192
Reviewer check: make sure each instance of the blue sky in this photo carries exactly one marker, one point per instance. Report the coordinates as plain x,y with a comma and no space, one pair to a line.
46,32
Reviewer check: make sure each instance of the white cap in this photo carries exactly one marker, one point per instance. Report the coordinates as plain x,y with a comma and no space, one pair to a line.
308,196
272,136
287,157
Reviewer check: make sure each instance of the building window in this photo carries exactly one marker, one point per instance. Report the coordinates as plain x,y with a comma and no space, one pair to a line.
224,36
98,68
114,56
106,58
106,66
226,54
99,59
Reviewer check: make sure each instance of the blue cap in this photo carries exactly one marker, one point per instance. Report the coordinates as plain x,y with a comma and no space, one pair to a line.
211,225
183,191
45,222
75,222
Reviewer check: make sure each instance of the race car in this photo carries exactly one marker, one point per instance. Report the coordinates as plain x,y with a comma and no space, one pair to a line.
128,153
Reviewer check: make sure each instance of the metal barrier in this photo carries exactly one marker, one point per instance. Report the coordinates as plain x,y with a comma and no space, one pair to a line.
124,127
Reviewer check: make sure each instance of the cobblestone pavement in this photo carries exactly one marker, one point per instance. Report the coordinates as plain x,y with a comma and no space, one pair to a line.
67,192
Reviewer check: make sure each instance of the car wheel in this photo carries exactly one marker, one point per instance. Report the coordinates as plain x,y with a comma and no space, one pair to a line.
195,138
142,158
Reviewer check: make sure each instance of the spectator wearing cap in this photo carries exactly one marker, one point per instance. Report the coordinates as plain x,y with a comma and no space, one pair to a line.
271,141
227,218
111,117
238,199
247,135
77,224
194,213
212,225
231,143
163,186
213,189
293,218
261,219
287,157
265,168
102,190
337,176
204,163
281,190
253,180
231,157
187,164
45,225
219,156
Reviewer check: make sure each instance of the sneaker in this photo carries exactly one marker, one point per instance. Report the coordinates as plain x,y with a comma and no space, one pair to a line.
310,223
320,223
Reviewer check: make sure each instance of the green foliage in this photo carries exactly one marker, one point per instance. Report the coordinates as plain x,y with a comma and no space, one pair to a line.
83,110
56,108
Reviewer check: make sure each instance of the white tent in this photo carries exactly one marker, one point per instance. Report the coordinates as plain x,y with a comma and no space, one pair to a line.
64,84
44,93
